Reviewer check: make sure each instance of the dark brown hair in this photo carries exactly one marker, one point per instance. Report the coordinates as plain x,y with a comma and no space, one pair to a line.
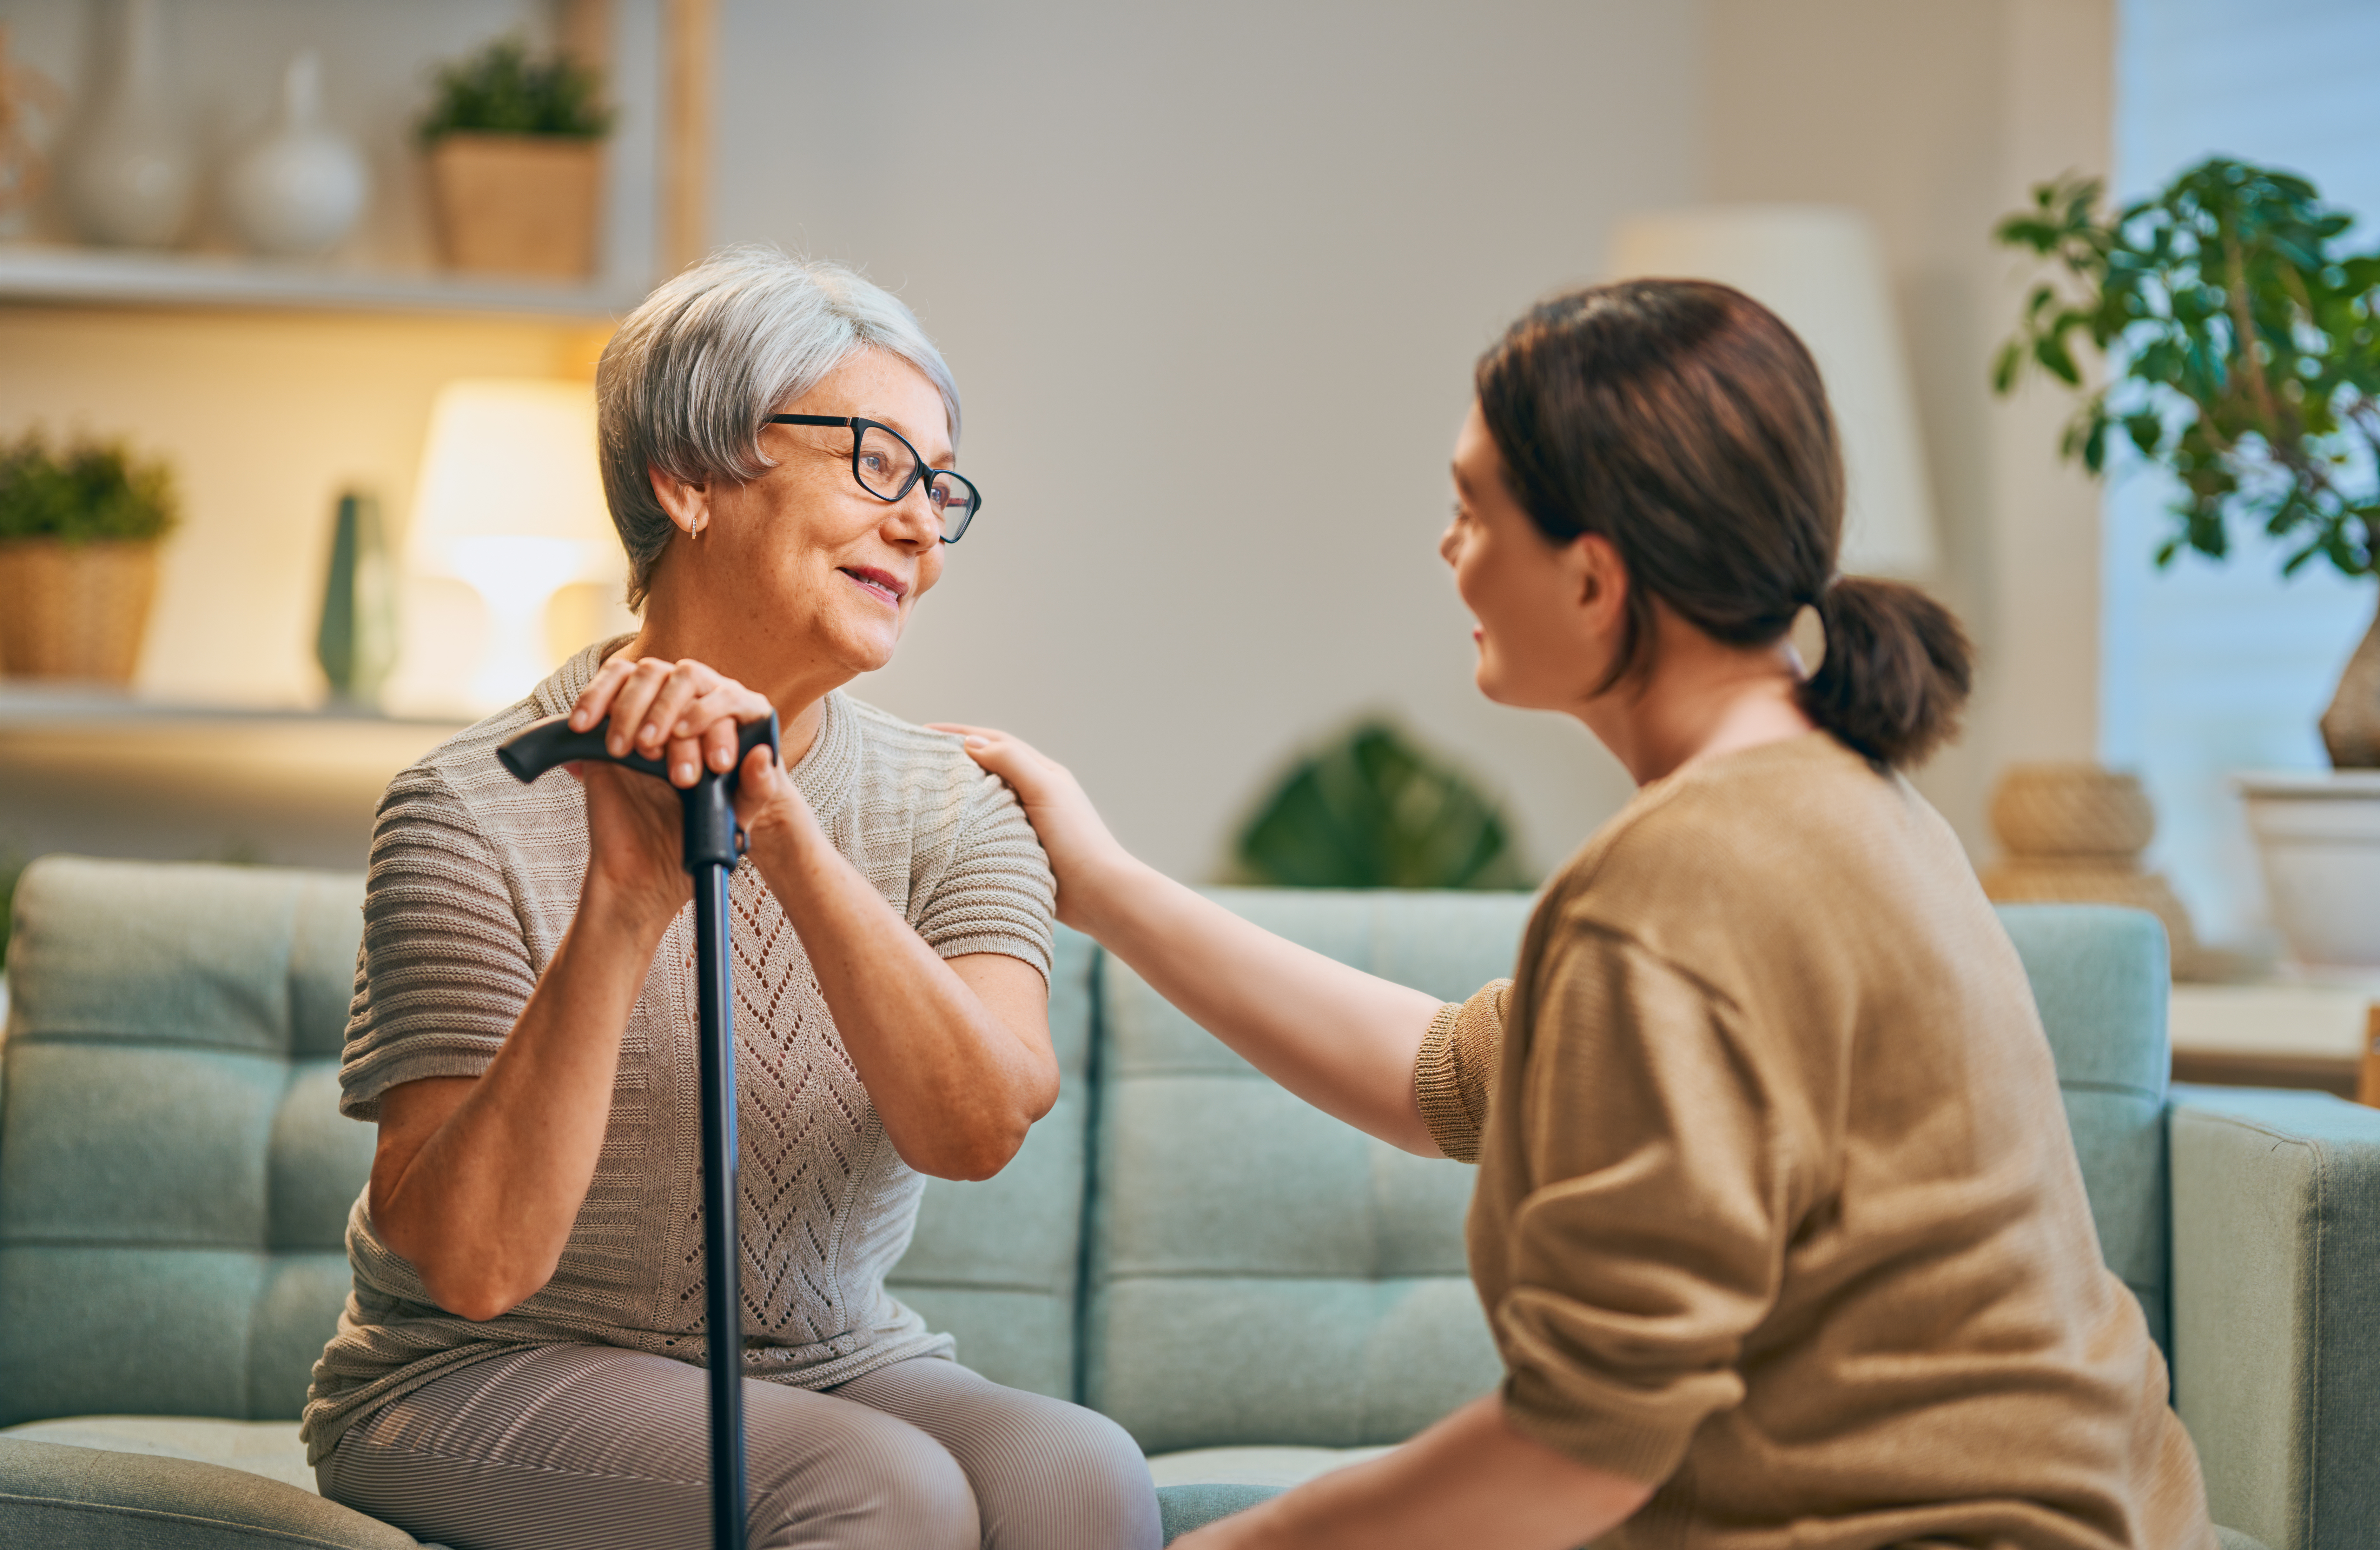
1683,422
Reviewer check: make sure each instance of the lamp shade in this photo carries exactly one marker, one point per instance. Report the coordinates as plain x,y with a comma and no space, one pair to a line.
510,500
1819,269
511,458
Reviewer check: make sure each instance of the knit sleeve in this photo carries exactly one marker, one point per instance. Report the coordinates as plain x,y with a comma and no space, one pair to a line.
444,969
1650,1241
996,895
1456,1068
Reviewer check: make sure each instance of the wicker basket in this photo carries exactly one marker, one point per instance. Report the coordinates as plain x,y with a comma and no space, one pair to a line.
517,205
74,610
2075,834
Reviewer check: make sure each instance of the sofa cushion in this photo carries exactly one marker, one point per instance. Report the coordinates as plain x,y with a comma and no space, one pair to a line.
1260,1273
62,1497
270,1448
996,1263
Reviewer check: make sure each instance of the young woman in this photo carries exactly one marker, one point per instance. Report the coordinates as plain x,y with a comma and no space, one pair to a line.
1777,1226
518,1365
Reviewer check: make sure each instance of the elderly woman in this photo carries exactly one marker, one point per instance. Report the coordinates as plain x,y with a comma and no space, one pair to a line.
517,1365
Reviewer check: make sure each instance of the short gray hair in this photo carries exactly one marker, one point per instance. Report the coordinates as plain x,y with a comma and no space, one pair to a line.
687,381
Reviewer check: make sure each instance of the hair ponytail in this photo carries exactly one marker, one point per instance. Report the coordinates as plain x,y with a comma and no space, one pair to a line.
1896,672
1685,423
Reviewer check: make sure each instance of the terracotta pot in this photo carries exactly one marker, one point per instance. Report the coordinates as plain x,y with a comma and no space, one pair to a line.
74,610
2350,728
517,205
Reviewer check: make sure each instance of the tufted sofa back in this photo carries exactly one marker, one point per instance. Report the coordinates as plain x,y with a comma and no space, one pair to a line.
174,1175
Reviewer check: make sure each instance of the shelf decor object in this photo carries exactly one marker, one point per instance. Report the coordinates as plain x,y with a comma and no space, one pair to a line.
298,189
510,501
79,537
2074,834
2236,328
32,109
516,149
1819,268
356,644
131,171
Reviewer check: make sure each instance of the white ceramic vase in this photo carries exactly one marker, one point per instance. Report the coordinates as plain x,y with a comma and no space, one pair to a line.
295,192
130,175
2318,835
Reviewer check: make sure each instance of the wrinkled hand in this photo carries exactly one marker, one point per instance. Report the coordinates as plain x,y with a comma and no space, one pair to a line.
1082,852
683,714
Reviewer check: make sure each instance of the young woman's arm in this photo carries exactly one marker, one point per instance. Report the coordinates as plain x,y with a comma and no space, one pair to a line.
1343,1040
1469,1480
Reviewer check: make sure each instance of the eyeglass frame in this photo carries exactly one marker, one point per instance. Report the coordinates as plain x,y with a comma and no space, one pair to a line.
860,427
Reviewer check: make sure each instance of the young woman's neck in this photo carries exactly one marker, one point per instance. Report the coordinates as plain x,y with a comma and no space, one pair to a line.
1702,699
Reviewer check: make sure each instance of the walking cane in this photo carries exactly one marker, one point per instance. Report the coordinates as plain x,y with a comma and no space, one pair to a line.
713,844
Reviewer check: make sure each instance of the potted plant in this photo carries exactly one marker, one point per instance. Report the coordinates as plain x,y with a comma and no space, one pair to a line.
1370,810
78,536
2241,343
516,162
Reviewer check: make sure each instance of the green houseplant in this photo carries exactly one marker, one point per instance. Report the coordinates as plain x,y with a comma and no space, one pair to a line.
515,161
2242,349
2241,338
1370,810
78,536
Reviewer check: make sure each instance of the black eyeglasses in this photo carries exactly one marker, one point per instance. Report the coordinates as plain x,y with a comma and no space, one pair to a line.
889,468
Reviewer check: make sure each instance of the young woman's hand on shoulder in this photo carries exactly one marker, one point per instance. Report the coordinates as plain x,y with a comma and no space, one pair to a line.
1083,854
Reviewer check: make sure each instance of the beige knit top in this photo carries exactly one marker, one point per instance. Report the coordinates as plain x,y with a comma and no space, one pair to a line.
1777,1209
473,880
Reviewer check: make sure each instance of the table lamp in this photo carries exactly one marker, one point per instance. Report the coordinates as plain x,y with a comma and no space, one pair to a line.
1818,268
510,501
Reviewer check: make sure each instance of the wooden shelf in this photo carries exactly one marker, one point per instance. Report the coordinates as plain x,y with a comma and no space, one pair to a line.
53,276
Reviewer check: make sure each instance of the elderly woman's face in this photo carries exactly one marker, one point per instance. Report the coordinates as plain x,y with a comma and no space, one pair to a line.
823,567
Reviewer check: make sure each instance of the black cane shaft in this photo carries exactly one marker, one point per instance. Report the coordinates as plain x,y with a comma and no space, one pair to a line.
722,1256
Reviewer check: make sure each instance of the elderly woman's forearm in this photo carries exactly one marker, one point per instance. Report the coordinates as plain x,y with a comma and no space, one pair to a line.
956,1084
477,1181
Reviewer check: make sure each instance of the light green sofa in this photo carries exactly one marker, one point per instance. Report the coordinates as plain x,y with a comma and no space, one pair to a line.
1247,1286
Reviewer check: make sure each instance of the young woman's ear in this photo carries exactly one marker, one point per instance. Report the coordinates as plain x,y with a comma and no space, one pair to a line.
1598,579
687,502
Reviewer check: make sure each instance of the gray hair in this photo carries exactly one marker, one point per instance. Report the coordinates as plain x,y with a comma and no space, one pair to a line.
687,381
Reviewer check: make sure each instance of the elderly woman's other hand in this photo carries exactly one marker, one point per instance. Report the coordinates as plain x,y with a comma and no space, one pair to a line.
681,713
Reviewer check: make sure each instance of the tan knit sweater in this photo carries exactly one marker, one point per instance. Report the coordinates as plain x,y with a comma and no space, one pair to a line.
474,879
1777,1204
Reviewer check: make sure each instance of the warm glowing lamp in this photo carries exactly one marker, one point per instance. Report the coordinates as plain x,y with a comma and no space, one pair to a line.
1818,268
510,501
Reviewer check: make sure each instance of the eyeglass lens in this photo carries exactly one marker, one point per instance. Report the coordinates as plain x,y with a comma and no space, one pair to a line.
887,467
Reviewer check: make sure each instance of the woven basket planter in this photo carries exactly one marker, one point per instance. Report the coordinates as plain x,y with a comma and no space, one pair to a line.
517,205
74,610
2075,834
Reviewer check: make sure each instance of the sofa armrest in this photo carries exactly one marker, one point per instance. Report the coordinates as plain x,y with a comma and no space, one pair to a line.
81,1498
2276,1309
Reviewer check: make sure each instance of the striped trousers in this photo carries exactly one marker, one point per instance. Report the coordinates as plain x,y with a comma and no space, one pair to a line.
567,1448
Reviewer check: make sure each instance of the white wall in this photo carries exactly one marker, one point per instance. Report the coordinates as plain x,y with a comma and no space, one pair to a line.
1933,117
1212,279
2210,669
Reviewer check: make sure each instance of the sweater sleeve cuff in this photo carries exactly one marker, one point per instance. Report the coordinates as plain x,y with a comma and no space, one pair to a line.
1457,1063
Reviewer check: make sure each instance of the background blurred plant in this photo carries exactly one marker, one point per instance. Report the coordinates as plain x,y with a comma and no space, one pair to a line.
1371,809
2243,357
91,492
505,89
